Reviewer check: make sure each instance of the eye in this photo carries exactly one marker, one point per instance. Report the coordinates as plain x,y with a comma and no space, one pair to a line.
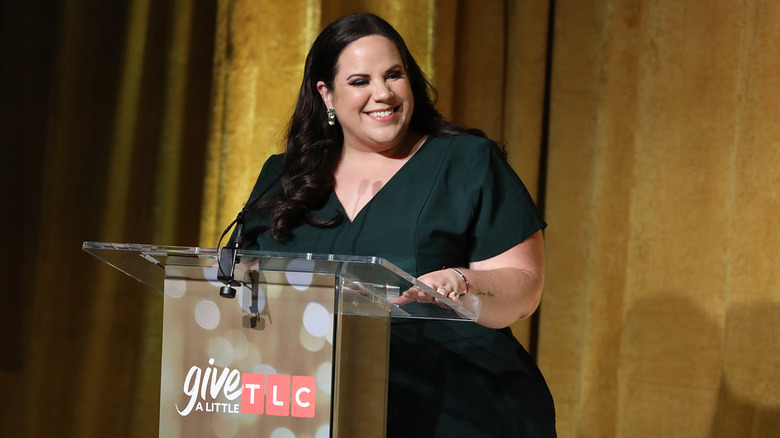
395,74
358,82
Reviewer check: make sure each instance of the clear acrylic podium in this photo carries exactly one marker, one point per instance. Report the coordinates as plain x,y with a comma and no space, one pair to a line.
301,351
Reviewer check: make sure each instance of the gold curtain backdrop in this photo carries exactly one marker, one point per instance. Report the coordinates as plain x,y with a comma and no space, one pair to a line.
660,315
647,131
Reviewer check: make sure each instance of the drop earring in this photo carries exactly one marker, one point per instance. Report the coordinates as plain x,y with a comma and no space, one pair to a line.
331,117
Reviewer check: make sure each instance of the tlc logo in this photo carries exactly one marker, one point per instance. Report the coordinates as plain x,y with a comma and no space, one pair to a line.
283,397
271,394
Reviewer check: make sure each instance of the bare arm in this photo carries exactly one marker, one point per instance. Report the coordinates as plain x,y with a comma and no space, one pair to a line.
509,285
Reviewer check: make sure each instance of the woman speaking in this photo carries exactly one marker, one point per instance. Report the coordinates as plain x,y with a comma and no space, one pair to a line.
372,168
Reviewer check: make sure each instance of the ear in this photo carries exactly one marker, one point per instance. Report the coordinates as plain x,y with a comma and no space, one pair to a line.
325,93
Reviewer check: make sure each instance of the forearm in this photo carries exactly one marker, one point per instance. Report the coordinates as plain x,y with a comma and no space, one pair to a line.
506,294
508,285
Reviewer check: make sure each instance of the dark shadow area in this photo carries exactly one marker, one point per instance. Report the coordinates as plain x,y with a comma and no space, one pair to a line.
675,357
748,396
61,68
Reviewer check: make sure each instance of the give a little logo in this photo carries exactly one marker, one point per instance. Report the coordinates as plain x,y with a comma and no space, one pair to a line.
248,393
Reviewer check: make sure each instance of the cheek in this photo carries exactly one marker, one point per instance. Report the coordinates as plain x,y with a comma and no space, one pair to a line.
350,99
405,92
409,100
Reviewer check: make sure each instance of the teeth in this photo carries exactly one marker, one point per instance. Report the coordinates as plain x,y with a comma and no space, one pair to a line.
381,113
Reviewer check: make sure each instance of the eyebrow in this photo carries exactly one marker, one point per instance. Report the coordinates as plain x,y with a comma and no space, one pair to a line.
363,75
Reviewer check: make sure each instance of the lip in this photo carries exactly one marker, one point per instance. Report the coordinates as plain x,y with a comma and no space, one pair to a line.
383,118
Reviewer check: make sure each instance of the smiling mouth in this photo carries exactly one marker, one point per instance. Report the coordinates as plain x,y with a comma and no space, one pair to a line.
383,113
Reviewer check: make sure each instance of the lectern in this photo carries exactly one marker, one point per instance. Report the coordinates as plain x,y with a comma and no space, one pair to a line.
301,351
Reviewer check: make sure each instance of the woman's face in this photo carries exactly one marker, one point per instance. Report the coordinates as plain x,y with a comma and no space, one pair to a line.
371,95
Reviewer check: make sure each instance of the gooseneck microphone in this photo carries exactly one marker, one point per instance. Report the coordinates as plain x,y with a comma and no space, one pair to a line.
228,255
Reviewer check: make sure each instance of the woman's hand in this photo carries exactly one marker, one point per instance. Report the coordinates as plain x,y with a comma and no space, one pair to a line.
447,282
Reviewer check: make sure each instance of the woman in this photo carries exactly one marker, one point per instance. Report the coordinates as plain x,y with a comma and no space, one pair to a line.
395,180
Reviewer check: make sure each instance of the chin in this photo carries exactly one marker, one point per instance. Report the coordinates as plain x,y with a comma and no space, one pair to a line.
388,142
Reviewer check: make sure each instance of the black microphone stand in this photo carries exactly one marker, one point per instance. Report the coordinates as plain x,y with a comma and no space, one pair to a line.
228,256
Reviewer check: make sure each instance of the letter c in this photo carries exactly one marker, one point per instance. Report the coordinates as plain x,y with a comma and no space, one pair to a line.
298,397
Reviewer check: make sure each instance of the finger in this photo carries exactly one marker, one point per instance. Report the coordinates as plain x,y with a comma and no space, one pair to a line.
401,300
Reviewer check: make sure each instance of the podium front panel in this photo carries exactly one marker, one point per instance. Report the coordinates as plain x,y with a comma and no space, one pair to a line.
262,364
229,364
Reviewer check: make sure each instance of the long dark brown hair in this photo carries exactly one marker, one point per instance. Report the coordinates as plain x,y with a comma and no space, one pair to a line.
308,170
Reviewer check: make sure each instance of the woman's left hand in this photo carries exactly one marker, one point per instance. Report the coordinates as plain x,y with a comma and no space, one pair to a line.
445,282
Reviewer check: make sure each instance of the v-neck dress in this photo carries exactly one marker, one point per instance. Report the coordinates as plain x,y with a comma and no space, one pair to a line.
456,200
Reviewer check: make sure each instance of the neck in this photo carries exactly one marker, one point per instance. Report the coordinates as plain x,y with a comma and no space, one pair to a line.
401,151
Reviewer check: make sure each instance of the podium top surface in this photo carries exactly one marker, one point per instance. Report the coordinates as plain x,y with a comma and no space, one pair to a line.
374,276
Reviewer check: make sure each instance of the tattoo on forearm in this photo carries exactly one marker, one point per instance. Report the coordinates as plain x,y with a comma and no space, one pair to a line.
485,293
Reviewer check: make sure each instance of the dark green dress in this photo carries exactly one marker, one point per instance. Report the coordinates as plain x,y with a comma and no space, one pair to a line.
456,200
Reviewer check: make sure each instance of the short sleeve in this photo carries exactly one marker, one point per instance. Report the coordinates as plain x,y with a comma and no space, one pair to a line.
505,213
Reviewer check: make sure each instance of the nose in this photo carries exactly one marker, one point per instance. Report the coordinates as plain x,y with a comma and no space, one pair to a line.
382,91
